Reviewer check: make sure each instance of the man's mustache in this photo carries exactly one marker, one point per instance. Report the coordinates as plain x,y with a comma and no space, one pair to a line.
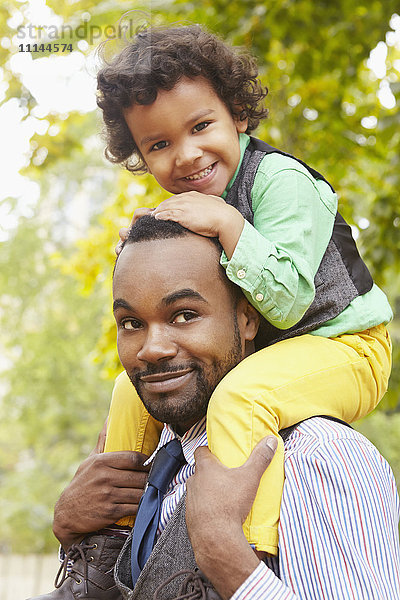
161,369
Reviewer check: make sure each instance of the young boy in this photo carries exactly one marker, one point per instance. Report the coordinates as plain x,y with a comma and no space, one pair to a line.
179,103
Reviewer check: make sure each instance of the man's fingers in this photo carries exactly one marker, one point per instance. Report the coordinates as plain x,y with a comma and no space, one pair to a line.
122,511
261,455
126,460
130,496
201,456
127,479
258,460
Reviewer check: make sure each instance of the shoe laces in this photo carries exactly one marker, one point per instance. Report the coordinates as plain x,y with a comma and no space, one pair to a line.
194,586
76,551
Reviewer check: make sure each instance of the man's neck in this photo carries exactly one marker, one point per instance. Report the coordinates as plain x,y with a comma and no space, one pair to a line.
181,430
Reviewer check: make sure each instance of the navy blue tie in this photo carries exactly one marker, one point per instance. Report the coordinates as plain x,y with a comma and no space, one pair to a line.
165,465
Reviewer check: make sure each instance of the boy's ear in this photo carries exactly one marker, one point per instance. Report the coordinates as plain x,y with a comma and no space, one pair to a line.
241,121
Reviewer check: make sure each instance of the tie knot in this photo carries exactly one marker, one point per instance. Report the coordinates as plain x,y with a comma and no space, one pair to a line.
165,465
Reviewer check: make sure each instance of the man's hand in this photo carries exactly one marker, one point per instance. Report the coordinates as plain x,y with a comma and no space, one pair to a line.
218,502
105,488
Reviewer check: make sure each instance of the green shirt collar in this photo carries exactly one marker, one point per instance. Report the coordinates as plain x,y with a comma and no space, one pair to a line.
244,141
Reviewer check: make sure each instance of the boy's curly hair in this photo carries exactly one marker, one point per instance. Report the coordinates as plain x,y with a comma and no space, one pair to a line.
157,58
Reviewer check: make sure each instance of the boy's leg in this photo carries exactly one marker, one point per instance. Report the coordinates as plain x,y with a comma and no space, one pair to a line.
129,426
309,375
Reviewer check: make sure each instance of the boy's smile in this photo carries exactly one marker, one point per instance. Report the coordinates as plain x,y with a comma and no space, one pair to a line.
188,137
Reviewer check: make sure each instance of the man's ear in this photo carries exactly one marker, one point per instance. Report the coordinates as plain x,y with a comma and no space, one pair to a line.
248,319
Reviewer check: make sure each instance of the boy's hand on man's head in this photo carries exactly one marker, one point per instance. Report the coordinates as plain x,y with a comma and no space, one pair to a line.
205,215
124,231
123,234
201,213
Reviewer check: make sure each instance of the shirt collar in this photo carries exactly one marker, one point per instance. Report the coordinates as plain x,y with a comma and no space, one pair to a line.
244,141
195,437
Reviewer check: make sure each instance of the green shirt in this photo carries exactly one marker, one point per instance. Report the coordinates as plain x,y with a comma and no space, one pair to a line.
276,260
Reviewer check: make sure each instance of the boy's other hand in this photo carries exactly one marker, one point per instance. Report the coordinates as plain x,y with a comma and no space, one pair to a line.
124,231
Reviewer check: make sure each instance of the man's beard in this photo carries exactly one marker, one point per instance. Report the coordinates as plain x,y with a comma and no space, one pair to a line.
191,405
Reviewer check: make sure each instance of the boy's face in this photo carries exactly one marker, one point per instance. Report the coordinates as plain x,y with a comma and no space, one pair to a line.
188,138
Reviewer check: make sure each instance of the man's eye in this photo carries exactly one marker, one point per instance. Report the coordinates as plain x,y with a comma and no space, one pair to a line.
201,126
130,324
159,145
184,317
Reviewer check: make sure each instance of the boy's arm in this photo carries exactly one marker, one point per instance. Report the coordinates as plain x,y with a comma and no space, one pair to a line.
276,259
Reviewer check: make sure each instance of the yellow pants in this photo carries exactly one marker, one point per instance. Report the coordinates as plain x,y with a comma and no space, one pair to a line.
278,386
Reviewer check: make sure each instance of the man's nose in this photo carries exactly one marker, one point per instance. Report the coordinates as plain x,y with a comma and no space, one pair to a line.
187,153
157,346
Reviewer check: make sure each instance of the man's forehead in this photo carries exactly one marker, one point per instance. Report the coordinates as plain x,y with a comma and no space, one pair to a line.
172,263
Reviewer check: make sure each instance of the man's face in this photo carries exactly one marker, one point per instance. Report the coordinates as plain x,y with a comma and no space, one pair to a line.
178,330
187,137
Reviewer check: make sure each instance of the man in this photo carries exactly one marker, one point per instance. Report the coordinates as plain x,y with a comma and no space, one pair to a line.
181,327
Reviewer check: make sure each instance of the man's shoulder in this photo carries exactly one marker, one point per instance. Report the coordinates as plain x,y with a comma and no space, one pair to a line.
325,439
325,457
324,429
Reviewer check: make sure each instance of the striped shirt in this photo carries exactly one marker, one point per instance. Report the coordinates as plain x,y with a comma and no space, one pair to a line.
338,530
192,439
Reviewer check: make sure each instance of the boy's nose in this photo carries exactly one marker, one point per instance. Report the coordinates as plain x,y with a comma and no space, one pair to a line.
187,154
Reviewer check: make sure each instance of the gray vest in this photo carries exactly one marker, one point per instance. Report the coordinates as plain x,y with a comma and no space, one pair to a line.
341,276
172,553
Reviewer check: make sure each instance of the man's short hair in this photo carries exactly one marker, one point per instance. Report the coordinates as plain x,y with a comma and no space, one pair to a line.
148,229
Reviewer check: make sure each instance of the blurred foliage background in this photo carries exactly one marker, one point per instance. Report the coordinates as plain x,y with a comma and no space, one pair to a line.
57,337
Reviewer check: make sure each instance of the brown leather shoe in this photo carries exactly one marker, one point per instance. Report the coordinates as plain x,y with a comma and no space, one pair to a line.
91,576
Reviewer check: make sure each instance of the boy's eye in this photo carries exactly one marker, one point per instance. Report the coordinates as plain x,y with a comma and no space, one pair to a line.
159,145
201,126
184,316
130,324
